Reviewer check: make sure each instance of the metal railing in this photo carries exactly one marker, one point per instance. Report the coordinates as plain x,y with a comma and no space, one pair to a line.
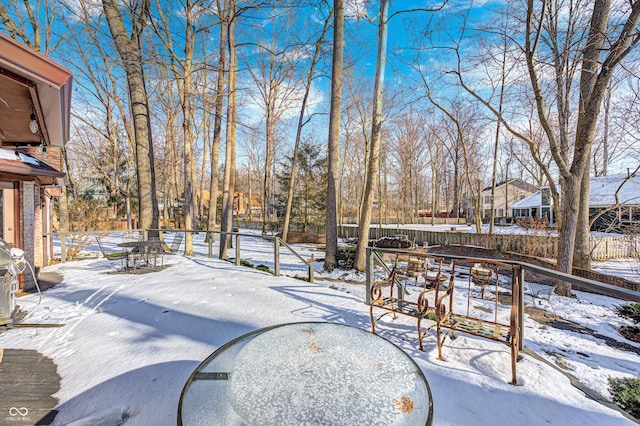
277,242
374,256
545,246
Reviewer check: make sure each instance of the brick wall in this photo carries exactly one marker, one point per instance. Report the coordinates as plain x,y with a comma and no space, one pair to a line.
52,157
38,246
27,219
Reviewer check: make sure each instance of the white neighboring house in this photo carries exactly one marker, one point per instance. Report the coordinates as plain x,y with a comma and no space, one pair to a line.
506,193
614,199
539,204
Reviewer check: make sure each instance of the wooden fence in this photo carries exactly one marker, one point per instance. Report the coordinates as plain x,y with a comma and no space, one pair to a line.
602,247
614,246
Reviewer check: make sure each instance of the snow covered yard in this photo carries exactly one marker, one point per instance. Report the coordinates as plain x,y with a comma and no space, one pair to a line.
131,341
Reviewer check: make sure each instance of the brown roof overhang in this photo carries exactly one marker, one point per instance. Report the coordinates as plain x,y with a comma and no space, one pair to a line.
21,170
43,83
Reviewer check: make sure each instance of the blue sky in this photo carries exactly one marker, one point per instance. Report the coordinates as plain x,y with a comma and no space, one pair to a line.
407,32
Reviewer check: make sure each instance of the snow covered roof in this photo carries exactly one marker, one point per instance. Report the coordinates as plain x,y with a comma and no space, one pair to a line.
21,164
527,203
602,191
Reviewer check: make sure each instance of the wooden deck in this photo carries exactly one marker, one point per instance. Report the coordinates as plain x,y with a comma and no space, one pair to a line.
27,381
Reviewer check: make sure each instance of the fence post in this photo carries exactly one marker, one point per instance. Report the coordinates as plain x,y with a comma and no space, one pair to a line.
369,275
210,244
520,308
237,249
63,247
276,256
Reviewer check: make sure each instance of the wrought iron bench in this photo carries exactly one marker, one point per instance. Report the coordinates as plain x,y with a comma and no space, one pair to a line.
505,331
429,297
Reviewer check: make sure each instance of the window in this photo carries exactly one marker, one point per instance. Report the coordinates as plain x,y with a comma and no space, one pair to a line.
488,199
545,195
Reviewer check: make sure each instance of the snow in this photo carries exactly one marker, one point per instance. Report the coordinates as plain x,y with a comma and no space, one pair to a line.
602,192
6,154
510,229
624,268
534,200
130,342
603,189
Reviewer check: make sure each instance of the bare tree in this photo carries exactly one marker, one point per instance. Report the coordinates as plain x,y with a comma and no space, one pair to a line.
130,51
607,44
301,123
184,69
594,78
276,90
331,225
228,190
30,22
364,221
115,162
409,150
217,125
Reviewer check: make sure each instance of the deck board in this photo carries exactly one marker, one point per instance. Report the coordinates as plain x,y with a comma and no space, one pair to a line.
28,380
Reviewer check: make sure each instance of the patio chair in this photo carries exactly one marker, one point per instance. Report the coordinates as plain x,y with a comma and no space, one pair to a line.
155,251
175,245
122,256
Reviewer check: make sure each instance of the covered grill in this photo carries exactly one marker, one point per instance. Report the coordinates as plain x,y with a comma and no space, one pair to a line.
12,263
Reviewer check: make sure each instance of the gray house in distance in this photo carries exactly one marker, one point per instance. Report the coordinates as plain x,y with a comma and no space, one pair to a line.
614,203
506,193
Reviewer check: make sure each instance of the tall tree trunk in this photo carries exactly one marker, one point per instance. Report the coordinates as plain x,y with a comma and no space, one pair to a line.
189,163
331,226
594,79
130,52
226,224
266,187
303,107
249,203
497,142
364,222
456,183
434,194
217,123
589,107
582,252
63,201
605,138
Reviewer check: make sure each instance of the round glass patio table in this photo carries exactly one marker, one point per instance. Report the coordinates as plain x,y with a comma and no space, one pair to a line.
309,373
